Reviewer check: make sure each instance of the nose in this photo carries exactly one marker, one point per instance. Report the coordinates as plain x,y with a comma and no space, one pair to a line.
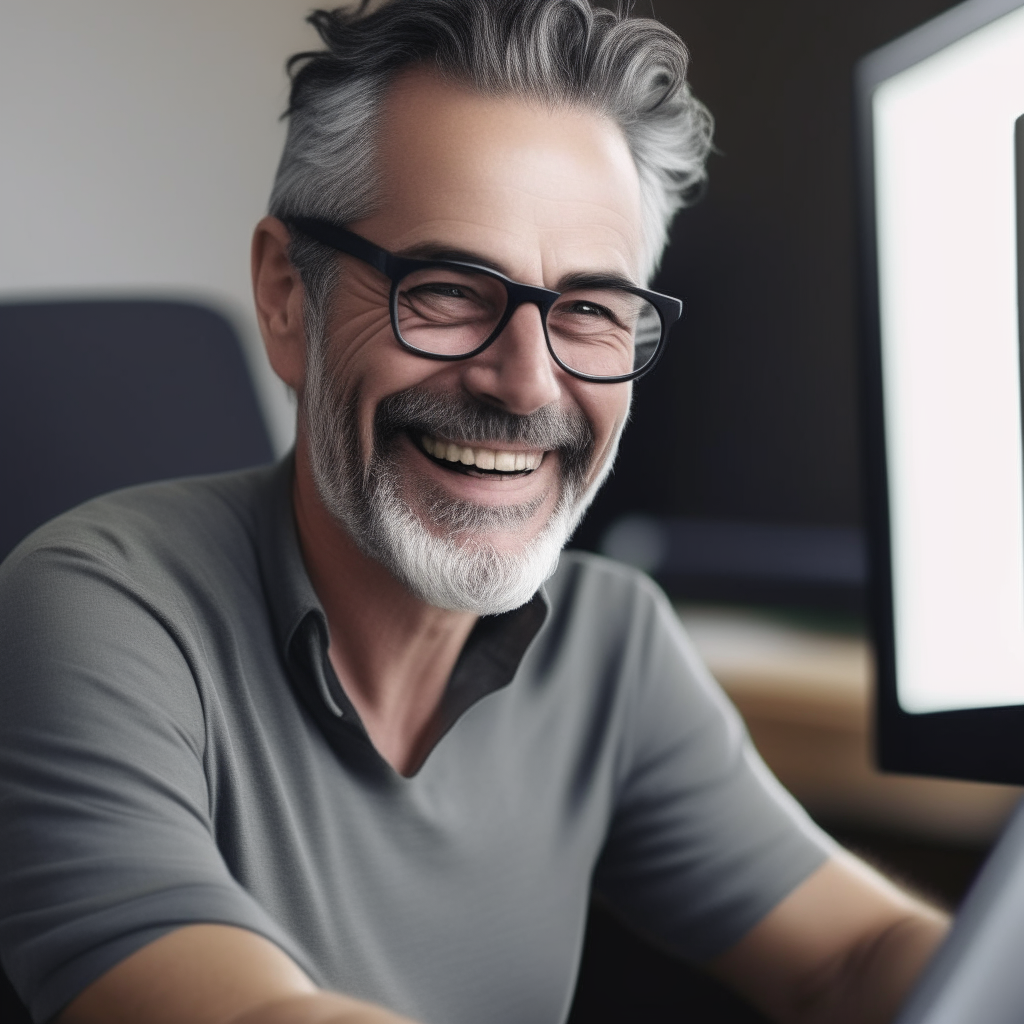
516,372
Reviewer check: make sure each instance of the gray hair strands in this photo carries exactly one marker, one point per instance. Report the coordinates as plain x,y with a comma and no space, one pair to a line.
564,52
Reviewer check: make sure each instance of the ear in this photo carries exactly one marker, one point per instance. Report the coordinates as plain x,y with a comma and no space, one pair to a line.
277,289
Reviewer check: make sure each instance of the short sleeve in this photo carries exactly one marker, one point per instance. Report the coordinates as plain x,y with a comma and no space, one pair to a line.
107,835
703,841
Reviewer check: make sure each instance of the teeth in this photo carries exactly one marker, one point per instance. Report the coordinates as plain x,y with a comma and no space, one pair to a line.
482,458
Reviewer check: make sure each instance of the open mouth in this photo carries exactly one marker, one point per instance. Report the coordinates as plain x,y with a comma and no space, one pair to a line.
478,460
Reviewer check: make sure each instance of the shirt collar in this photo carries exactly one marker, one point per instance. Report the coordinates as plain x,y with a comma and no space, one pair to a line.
290,595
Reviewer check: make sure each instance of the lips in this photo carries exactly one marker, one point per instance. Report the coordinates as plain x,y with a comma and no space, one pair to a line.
462,434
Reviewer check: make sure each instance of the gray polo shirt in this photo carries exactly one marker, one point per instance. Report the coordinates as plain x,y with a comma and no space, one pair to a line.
175,749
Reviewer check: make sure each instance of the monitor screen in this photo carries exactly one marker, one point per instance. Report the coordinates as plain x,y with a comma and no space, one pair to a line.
941,113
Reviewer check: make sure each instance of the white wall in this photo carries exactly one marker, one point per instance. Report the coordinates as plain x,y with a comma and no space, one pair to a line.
138,141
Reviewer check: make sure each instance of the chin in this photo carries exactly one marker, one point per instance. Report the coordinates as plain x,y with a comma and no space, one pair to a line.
484,571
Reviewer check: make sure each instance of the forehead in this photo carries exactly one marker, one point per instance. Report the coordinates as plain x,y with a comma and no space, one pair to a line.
545,189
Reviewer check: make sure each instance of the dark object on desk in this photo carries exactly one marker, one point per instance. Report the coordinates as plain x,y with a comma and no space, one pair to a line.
12,1010
975,975
624,979
105,394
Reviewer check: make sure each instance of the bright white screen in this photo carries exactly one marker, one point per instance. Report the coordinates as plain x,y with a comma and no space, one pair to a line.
945,187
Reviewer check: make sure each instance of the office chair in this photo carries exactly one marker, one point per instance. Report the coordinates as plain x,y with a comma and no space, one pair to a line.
103,394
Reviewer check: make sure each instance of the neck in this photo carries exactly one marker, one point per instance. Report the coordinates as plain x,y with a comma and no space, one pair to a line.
392,652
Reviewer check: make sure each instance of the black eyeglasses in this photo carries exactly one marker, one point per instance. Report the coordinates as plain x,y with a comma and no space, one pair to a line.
598,330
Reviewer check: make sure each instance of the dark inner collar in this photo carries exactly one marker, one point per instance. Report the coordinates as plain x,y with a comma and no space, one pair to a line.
488,662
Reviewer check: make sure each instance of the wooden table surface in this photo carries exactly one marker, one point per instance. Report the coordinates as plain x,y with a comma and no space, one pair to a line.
806,697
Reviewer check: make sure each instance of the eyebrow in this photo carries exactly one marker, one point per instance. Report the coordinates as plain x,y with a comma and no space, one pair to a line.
451,254
598,279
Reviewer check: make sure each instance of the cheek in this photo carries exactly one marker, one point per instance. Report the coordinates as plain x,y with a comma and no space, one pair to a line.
606,407
354,344
356,341
368,365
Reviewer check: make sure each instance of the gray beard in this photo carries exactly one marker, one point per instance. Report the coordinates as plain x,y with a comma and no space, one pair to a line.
454,569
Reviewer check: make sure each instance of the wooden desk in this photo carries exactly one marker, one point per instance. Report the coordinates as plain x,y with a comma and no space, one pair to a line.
806,697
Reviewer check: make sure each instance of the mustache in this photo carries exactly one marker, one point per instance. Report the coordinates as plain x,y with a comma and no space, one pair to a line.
461,418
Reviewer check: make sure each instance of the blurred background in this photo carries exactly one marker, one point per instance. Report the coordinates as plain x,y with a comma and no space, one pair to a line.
753,410
139,142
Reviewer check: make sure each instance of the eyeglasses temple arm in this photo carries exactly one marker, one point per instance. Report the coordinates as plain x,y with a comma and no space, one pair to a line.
344,241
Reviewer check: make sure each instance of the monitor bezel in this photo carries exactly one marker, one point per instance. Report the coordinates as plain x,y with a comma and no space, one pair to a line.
981,744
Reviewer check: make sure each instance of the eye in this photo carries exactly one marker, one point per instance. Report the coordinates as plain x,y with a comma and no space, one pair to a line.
587,312
580,307
441,289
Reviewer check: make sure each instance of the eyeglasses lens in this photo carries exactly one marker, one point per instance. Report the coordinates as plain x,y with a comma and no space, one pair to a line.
601,332
604,332
449,312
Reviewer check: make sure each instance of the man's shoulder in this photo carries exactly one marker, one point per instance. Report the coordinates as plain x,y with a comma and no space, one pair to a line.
594,600
153,530
582,575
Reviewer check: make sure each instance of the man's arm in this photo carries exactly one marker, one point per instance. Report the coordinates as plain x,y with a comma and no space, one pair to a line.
215,974
845,947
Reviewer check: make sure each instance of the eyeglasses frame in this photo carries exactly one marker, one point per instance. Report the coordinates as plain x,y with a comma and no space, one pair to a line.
395,268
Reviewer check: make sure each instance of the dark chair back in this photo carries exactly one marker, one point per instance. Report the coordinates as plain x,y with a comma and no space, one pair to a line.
100,395
104,394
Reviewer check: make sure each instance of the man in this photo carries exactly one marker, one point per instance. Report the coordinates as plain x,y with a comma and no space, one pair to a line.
329,742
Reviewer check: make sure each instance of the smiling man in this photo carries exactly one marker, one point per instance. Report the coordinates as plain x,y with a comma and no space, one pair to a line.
455,450
350,738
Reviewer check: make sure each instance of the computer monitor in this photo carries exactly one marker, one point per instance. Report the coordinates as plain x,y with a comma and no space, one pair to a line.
941,151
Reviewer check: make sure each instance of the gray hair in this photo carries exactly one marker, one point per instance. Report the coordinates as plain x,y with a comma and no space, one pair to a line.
565,52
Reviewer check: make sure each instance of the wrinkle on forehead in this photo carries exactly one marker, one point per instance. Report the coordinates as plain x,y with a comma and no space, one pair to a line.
551,189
